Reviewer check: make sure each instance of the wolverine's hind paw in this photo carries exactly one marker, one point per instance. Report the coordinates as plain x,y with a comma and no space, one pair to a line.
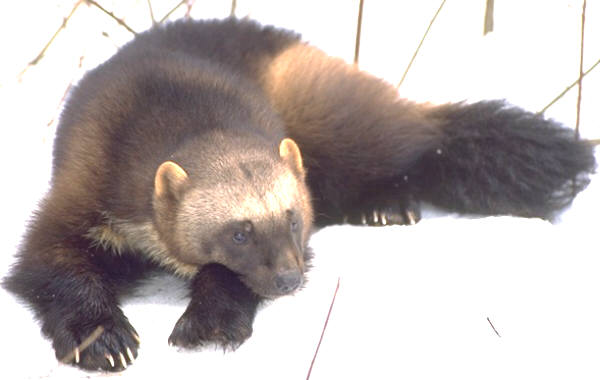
388,212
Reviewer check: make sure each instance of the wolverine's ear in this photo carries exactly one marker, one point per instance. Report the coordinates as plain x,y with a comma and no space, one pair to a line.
169,180
289,151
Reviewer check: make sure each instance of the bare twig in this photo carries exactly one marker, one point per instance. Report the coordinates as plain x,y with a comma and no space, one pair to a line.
165,17
579,88
420,43
557,98
64,97
85,344
151,13
116,44
488,22
189,4
233,7
580,80
41,54
312,363
112,15
358,30
62,100
491,324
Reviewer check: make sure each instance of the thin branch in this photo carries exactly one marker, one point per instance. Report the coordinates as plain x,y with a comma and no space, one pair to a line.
43,52
491,324
151,13
233,7
112,15
420,43
488,22
116,45
66,92
358,30
85,344
312,363
190,4
165,17
580,81
60,103
557,98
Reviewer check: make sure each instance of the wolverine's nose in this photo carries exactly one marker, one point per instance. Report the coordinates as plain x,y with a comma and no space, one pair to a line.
288,281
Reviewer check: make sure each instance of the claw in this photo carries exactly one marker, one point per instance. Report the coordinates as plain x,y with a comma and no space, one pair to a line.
383,219
123,361
375,217
110,360
136,337
76,353
129,354
411,218
363,218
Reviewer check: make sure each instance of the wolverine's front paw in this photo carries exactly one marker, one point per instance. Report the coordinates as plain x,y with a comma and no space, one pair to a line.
227,327
111,345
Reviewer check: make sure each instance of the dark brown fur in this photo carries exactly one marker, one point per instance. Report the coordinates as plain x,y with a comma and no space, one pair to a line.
174,153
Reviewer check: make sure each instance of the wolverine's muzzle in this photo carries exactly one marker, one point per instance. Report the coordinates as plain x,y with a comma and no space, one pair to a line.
288,281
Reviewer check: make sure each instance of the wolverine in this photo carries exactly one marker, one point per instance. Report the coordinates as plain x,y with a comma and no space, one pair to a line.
212,149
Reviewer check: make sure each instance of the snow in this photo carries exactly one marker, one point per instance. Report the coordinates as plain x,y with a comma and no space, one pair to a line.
414,301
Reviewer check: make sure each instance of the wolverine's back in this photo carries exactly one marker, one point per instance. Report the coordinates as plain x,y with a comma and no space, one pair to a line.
135,110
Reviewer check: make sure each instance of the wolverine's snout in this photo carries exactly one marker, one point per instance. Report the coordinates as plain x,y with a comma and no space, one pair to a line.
288,281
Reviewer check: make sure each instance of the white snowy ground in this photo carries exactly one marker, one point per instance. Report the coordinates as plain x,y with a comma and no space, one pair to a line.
413,301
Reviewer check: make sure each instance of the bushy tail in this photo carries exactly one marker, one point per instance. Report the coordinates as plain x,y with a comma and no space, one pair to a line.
498,159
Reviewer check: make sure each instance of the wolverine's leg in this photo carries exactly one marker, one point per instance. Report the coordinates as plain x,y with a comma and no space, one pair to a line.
75,300
355,132
380,203
221,310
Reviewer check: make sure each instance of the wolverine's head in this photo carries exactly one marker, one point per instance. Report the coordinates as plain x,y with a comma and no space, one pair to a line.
250,213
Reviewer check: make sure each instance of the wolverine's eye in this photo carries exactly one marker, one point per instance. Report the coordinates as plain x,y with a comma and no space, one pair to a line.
239,237
294,221
294,225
